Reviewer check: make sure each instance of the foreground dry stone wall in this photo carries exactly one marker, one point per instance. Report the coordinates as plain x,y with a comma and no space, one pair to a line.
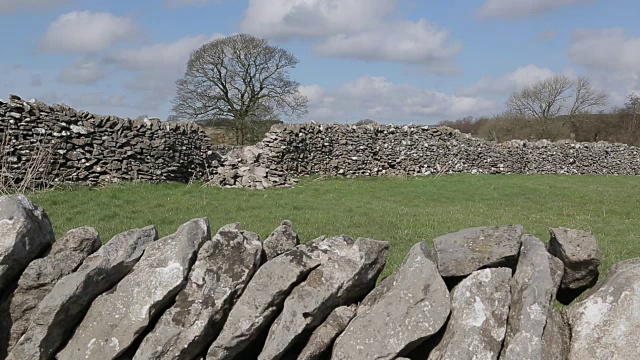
480,293
88,148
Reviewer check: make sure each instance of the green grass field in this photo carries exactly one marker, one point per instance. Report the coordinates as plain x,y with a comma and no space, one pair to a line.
401,211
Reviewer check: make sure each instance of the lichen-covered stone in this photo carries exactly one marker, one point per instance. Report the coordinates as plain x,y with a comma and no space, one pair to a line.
605,325
463,252
533,293
579,252
348,275
479,310
324,335
261,301
37,280
65,305
25,233
281,240
222,270
415,307
118,317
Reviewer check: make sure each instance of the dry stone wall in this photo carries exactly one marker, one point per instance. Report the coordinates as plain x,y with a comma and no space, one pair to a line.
486,292
88,148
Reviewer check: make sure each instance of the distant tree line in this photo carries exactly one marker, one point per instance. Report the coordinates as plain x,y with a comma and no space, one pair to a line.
558,108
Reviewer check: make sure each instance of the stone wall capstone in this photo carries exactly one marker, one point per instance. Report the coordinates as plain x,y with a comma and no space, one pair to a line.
220,297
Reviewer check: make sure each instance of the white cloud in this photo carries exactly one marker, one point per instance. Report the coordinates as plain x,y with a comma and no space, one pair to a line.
85,31
9,6
386,102
156,67
523,8
516,80
610,57
83,71
282,19
97,99
416,43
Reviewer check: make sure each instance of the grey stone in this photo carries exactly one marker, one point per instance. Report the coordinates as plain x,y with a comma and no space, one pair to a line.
606,323
580,254
556,339
25,233
222,271
376,294
37,280
116,318
414,308
323,337
261,301
533,293
281,240
479,310
349,273
65,305
463,252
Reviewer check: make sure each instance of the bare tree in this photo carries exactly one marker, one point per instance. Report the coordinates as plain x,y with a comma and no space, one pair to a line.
633,107
554,96
240,77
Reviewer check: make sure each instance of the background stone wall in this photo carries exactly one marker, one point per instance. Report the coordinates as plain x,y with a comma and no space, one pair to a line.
371,150
88,148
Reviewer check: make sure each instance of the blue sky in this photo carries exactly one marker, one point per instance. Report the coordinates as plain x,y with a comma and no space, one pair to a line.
394,61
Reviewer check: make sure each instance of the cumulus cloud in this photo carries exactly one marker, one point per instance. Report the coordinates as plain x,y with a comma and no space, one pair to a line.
156,67
379,99
9,6
516,80
611,57
416,43
82,71
97,99
284,19
86,31
523,8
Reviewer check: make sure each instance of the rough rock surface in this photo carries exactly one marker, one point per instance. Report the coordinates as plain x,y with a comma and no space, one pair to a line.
324,335
557,337
376,294
479,310
118,317
281,240
606,324
222,270
533,293
348,275
414,308
463,252
580,254
64,306
261,301
25,233
66,254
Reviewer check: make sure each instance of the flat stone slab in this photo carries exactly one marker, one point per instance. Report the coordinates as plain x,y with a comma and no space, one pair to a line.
606,324
463,252
533,294
479,310
579,252
348,275
281,240
118,317
66,304
323,337
222,271
25,233
413,308
262,299
37,280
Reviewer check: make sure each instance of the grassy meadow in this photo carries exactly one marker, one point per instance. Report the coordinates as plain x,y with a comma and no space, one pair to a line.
402,211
